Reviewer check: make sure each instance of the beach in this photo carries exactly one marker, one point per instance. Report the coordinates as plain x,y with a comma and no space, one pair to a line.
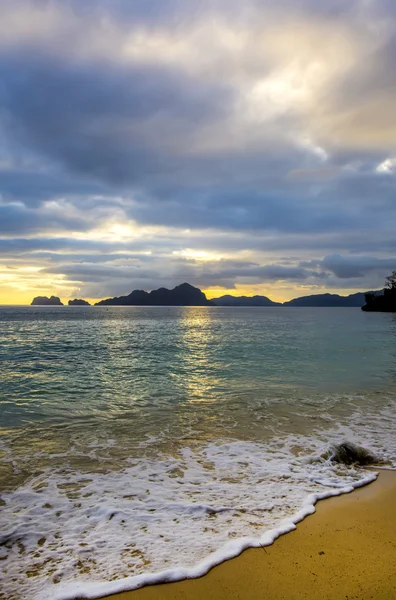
347,550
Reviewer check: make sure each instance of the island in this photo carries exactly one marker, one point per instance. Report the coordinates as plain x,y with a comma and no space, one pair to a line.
229,300
45,301
385,302
187,295
78,302
182,295
328,300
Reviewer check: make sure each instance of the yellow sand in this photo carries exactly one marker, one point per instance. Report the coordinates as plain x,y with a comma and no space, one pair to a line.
347,550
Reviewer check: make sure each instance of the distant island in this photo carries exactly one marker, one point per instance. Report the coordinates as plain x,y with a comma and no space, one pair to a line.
316,300
182,295
45,301
385,302
328,300
78,302
188,295
244,301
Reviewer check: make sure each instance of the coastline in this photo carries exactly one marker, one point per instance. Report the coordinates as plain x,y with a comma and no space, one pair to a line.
346,550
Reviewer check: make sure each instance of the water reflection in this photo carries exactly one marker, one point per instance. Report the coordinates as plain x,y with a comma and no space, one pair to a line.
197,367
181,374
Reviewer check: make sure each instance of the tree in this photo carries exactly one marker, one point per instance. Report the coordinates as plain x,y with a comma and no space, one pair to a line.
391,281
385,302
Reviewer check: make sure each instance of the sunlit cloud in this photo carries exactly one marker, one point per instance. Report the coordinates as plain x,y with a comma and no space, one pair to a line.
388,166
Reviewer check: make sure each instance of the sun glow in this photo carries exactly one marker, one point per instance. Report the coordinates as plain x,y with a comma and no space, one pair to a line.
199,255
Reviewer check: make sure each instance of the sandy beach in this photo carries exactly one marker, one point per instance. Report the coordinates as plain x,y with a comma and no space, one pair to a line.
346,550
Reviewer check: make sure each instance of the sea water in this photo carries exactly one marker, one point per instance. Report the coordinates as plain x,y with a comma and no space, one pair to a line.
148,444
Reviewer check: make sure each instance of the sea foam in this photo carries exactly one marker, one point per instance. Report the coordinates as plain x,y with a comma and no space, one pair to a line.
72,534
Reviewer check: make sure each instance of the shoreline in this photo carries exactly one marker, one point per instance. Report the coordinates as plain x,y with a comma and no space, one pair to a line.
346,550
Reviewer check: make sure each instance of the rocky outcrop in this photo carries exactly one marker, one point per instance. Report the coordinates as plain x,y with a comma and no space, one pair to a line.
78,302
45,301
351,454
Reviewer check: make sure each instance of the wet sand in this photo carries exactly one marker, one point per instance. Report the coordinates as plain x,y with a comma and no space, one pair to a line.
346,550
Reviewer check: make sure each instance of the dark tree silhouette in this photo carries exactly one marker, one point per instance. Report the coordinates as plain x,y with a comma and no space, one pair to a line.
385,302
390,281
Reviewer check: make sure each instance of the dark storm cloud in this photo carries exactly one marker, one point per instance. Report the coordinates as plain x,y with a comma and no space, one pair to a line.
261,273
33,188
80,250
97,273
244,210
352,201
356,266
21,246
17,219
104,120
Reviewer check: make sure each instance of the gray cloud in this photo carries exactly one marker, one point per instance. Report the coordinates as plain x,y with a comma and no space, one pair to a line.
137,272
356,266
16,218
33,188
168,116
104,122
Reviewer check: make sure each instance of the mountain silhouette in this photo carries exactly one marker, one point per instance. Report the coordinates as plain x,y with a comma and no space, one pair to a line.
182,295
353,300
229,300
188,295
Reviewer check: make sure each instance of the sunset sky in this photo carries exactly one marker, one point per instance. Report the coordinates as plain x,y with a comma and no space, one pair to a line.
244,147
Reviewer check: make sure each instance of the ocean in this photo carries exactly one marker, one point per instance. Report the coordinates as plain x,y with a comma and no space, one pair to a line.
145,444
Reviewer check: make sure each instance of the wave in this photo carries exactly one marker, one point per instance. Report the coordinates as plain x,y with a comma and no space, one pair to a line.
71,534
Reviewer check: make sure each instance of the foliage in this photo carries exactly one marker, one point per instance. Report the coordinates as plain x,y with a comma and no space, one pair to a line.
385,302
390,281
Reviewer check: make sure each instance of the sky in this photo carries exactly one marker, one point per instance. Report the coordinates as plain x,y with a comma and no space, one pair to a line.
243,147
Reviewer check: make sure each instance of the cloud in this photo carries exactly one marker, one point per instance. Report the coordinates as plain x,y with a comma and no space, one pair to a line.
247,132
313,175
32,188
356,266
16,218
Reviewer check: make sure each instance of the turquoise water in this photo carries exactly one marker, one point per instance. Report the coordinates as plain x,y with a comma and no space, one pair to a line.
99,363
195,406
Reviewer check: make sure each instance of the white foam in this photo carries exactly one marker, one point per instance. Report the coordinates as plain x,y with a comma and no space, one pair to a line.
77,590
69,534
